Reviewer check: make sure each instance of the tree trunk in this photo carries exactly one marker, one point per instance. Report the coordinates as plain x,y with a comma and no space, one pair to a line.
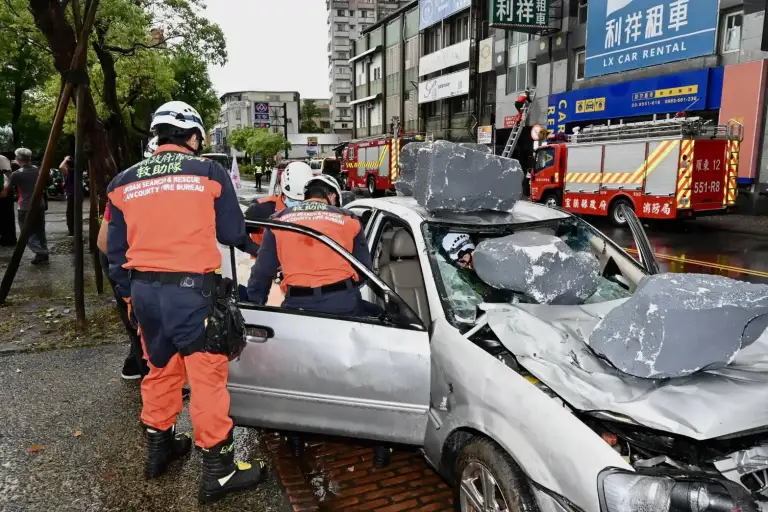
18,100
124,152
50,17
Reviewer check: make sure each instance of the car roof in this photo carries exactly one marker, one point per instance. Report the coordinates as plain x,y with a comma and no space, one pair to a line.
524,212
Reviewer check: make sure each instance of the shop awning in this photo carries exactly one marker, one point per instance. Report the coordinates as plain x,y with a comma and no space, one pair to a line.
366,99
365,53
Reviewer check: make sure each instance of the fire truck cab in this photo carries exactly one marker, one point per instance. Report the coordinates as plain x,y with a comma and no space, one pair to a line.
670,169
373,163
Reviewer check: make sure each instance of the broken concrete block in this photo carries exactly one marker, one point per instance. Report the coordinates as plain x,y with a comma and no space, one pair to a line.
409,155
477,147
453,177
678,324
540,266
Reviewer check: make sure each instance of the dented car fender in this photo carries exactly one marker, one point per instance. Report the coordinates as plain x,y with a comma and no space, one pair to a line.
552,446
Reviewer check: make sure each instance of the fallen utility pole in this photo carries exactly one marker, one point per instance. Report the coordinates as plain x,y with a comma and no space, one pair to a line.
78,61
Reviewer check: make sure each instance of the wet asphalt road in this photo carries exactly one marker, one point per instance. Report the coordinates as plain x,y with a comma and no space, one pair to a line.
697,247
70,440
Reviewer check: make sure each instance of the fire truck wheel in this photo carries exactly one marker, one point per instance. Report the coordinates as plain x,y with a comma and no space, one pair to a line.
372,187
615,214
551,199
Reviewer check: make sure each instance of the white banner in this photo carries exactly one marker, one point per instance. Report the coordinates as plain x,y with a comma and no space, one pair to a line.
485,56
450,56
234,173
446,86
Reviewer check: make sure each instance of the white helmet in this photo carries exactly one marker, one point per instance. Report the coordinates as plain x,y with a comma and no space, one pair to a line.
180,115
327,180
151,148
293,179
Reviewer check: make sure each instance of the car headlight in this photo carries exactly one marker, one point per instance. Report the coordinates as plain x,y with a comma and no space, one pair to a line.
623,491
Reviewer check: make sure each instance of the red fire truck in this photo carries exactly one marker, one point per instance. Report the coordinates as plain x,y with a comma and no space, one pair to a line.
670,169
373,163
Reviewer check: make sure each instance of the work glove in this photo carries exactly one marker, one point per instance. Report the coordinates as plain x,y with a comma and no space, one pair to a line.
131,317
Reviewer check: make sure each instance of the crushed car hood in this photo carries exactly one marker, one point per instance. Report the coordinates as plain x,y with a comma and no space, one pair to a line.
551,343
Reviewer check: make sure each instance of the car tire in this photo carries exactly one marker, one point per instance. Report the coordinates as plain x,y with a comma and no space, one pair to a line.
551,199
615,215
481,460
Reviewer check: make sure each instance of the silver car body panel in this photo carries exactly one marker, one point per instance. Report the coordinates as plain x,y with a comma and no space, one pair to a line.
554,448
333,376
551,343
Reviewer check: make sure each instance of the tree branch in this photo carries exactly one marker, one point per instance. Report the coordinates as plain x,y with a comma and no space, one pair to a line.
136,46
22,35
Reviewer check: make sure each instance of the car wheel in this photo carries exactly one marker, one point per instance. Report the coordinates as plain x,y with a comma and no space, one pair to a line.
551,199
488,479
615,214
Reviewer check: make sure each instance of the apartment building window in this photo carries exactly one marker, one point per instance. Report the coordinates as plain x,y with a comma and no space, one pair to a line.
238,114
341,27
366,14
582,15
341,70
376,73
340,12
351,13
579,64
459,30
273,97
731,28
517,62
342,98
342,55
432,38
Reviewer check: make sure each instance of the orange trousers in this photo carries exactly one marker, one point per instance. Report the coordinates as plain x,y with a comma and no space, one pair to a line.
208,403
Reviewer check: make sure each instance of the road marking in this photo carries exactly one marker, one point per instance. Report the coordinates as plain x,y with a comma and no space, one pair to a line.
740,270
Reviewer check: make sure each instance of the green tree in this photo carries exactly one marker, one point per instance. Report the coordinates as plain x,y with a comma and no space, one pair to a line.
258,141
25,62
309,112
141,54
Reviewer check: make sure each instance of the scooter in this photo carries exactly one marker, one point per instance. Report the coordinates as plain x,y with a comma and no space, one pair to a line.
56,189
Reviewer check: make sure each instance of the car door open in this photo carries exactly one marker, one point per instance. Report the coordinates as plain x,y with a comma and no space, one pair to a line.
352,376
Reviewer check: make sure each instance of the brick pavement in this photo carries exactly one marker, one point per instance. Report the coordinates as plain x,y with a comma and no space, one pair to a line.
338,475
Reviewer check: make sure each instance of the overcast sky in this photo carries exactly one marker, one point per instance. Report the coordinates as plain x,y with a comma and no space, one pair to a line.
272,45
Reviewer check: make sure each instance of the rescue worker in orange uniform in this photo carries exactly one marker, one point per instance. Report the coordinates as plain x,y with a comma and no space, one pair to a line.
315,277
167,214
292,182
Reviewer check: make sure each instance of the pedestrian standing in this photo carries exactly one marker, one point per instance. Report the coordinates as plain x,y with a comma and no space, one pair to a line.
163,256
67,167
7,211
258,173
23,182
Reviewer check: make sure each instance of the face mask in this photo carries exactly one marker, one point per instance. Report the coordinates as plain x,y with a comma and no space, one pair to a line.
290,203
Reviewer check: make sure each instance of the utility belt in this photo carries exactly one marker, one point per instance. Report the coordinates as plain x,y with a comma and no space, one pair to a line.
302,291
224,331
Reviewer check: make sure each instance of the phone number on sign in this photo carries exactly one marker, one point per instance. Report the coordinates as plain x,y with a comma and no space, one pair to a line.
702,187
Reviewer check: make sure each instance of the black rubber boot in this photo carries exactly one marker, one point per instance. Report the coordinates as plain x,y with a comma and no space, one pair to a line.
223,475
163,447
382,456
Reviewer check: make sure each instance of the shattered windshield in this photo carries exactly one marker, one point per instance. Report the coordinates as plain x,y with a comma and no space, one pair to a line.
456,253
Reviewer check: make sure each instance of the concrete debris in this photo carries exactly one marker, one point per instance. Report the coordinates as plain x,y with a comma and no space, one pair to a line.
679,324
542,267
442,175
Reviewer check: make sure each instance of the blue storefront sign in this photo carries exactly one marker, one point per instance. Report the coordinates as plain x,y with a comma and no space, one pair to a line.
434,11
218,136
667,94
632,34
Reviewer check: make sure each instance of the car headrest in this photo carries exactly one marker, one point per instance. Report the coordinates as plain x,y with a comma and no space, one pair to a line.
402,246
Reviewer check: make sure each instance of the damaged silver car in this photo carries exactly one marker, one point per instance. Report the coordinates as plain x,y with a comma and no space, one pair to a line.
499,387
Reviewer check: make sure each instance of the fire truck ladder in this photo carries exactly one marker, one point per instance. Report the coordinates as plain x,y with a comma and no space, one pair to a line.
692,127
514,136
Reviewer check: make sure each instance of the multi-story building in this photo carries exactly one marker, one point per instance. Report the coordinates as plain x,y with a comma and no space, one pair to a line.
324,119
256,108
616,61
385,70
346,20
